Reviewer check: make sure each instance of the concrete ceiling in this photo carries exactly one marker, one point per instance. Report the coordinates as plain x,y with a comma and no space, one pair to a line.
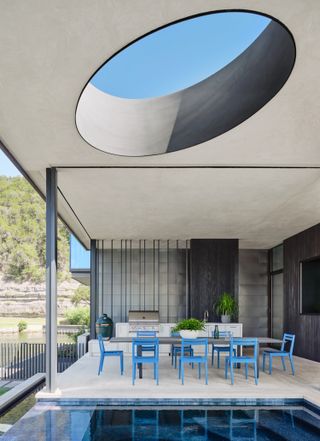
48,52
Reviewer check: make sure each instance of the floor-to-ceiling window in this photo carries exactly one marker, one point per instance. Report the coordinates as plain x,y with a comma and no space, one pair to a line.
276,288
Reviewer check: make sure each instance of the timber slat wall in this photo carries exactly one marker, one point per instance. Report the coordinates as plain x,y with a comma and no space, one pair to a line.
302,246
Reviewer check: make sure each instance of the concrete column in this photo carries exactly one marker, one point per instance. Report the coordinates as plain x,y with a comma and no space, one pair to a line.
51,279
93,288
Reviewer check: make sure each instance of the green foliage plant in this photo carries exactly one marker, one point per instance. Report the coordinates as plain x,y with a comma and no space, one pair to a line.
190,324
22,325
79,316
226,305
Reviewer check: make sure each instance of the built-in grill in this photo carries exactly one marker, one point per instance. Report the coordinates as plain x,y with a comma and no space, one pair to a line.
143,321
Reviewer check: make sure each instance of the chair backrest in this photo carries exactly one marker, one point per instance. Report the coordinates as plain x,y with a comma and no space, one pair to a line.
101,344
288,338
146,333
187,342
244,342
145,341
223,334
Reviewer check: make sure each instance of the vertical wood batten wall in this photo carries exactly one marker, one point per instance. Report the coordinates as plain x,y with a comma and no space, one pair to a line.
214,268
143,275
302,246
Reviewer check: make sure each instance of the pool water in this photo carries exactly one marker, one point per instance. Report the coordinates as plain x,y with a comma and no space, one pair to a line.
94,423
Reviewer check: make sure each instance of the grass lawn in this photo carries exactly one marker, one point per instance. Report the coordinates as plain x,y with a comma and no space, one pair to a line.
12,322
3,390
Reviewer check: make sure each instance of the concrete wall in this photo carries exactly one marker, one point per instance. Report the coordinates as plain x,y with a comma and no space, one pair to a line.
253,292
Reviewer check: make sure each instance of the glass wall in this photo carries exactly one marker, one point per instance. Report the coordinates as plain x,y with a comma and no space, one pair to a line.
143,275
277,299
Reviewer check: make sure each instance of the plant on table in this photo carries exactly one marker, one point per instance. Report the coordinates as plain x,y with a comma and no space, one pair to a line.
189,328
226,306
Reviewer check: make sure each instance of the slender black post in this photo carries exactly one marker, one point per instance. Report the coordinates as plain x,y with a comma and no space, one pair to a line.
93,288
51,279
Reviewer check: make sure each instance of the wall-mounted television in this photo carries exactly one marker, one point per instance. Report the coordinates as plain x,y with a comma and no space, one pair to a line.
310,286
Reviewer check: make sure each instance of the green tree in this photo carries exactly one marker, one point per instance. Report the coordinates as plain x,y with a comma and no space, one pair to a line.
23,234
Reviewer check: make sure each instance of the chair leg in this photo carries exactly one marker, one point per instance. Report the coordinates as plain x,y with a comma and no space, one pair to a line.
100,364
292,365
179,368
263,361
157,373
270,364
206,368
121,363
154,371
182,372
175,360
226,370
255,372
218,359
199,368
212,357
246,370
133,373
283,363
171,355
231,372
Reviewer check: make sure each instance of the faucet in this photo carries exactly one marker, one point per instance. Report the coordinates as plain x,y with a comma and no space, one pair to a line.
206,315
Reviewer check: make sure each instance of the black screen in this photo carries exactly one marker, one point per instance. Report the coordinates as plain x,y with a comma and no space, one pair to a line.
310,287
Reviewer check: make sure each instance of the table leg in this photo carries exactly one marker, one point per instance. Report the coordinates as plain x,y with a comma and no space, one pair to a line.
139,353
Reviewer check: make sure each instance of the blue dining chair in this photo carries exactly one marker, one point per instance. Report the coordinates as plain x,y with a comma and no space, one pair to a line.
138,357
287,338
218,348
185,357
146,348
246,359
176,350
104,353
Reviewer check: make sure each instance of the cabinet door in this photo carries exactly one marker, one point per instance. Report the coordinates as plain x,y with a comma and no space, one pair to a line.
235,329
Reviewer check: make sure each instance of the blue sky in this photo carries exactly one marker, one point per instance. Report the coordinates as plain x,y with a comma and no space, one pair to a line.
180,55
6,166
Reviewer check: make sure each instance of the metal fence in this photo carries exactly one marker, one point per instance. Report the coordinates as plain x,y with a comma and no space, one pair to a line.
19,361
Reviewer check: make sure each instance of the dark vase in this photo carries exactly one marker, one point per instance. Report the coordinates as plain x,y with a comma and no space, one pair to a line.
104,326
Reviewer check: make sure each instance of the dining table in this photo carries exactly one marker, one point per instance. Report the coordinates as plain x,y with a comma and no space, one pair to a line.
176,340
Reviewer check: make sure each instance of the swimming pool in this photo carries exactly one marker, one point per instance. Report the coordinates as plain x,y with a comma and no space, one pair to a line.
96,423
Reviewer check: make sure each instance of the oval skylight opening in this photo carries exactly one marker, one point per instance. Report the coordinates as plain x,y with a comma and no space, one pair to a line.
179,56
185,83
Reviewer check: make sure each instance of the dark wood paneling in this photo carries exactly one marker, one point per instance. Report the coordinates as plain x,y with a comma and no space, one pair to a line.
302,246
214,268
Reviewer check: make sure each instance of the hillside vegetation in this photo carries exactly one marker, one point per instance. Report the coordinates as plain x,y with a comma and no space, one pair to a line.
23,234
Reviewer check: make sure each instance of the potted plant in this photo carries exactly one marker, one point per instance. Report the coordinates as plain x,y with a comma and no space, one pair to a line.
189,328
226,307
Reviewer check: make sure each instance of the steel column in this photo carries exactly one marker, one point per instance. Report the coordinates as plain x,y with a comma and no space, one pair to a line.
51,279
93,288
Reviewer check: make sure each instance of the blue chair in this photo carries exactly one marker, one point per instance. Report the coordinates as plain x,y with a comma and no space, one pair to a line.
176,350
146,348
186,358
138,357
104,353
220,347
246,359
287,338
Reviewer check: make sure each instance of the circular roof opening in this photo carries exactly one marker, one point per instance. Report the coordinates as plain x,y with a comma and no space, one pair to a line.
185,83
